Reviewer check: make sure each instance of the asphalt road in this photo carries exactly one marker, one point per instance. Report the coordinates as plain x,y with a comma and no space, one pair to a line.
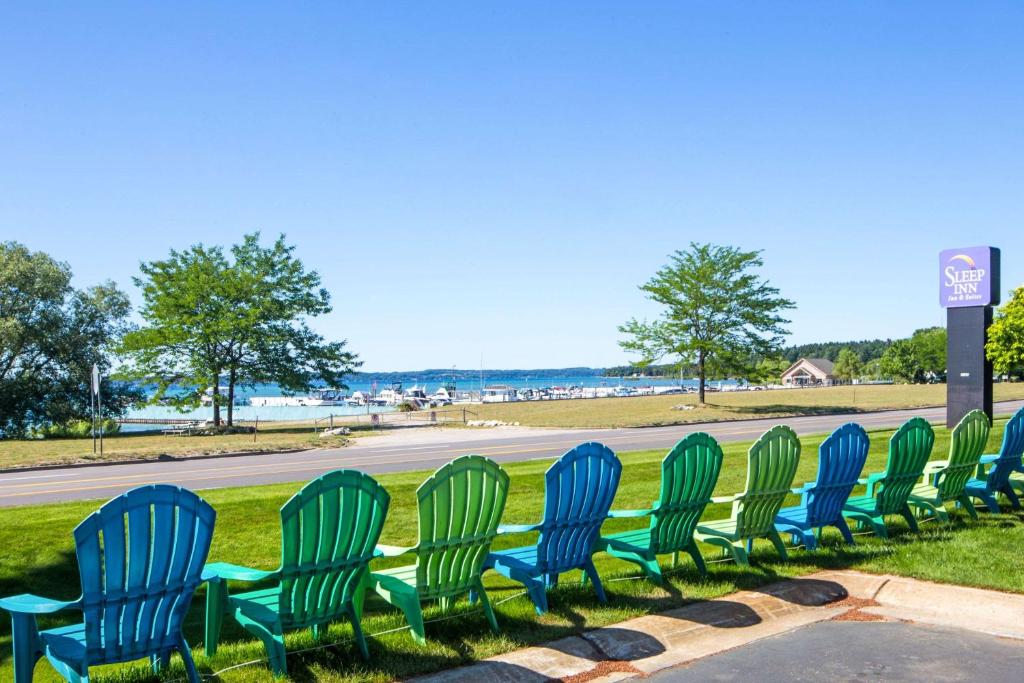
862,651
426,451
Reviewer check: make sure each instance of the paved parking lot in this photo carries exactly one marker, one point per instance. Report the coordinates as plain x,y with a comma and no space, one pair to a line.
863,651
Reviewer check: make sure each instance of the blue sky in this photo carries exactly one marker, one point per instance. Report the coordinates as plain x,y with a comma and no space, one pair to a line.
483,179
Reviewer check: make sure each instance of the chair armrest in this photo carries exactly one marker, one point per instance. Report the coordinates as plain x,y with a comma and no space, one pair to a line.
986,459
392,550
802,489
517,528
625,514
871,480
26,603
726,499
935,466
235,572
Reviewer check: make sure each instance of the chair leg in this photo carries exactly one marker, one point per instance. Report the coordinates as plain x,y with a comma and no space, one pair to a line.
216,607
159,661
357,632
191,674
536,588
273,641
410,606
968,504
844,529
26,646
698,559
590,570
776,540
909,516
738,551
488,610
1012,495
675,559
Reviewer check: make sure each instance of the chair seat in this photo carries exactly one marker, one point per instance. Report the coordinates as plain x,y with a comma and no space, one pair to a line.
66,643
725,528
863,504
928,493
637,539
260,605
796,516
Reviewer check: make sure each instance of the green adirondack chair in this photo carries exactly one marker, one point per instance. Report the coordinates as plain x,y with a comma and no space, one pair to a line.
950,477
771,466
688,476
888,492
460,507
329,532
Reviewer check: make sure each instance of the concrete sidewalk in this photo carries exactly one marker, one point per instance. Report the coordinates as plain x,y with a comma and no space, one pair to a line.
654,643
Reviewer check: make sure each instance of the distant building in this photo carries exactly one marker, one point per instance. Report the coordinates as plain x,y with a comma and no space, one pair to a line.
809,372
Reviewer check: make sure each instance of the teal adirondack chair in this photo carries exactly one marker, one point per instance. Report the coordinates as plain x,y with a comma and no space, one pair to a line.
688,476
329,532
950,477
140,560
888,492
460,507
1001,467
771,466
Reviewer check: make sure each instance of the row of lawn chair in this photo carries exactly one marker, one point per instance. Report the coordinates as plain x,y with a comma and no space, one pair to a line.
143,554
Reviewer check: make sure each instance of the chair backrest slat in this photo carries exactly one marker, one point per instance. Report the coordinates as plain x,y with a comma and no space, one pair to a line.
329,530
909,450
460,507
688,476
140,559
771,466
1010,453
966,446
841,459
578,492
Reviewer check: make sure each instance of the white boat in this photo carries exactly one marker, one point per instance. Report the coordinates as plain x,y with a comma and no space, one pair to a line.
317,397
499,393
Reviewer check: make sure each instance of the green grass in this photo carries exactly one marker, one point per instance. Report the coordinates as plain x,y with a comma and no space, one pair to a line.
39,558
642,411
151,446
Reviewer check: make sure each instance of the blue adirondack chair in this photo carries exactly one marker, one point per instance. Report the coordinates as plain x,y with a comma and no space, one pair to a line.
140,559
987,485
579,489
841,458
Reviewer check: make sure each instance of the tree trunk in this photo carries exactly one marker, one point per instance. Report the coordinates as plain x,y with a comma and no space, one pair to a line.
700,378
232,376
216,400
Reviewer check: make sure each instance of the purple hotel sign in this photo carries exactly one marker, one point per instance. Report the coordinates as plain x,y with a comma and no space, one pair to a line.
969,277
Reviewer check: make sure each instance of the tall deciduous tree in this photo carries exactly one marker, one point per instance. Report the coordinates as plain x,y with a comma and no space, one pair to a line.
900,362
1005,345
51,334
717,314
847,365
238,318
929,346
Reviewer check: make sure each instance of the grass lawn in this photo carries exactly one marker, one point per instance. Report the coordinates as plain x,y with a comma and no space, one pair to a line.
149,445
642,411
39,558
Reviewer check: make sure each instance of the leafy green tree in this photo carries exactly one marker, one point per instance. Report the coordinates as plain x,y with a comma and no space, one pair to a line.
847,366
930,348
51,334
239,318
717,314
900,362
1005,345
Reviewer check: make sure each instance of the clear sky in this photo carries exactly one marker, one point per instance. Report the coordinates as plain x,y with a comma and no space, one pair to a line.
495,179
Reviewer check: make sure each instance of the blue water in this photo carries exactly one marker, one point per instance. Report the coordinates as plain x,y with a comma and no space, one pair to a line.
274,413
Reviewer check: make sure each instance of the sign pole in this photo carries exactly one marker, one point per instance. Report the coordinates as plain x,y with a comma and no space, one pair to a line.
968,288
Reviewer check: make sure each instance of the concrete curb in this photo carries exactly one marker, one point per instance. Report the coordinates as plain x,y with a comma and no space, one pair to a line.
652,643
